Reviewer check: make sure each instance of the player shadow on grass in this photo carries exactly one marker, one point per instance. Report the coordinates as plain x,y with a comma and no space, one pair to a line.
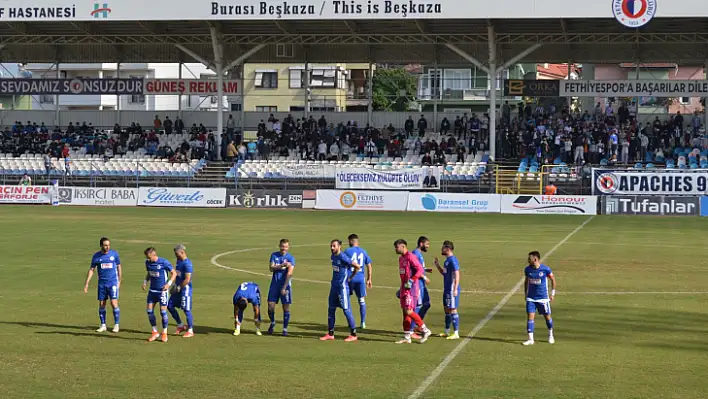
502,340
93,335
63,326
323,328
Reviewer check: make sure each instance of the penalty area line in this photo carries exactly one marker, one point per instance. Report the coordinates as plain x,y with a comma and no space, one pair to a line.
456,351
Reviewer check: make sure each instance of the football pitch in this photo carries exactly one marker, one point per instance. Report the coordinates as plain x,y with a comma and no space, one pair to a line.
630,312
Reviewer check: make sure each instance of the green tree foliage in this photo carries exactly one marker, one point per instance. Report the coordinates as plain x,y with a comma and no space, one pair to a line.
388,85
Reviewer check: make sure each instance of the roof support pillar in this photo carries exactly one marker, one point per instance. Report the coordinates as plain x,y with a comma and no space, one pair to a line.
218,48
197,57
492,74
468,57
240,60
513,60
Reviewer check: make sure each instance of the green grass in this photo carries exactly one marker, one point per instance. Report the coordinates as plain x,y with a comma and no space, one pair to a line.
635,345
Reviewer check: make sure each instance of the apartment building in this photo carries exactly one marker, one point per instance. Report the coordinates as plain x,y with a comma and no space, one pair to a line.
283,87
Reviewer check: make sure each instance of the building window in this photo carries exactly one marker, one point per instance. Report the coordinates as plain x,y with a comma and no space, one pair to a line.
324,78
46,99
297,78
504,76
213,99
480,80
457,79
266,108
685,100
136,98
266,79
235,107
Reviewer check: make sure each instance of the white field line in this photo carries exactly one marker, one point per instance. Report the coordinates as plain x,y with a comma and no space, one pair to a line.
456,351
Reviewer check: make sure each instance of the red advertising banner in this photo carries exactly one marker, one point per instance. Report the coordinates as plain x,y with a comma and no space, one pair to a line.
25,195
189,87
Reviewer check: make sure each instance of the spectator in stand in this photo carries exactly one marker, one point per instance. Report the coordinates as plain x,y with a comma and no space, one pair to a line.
444,126
422,126
48,163
26,180
241,152
334,150
157,123
168,125
231,152
408,126
370,148
321,151
346,149
252,149
179,125
230,127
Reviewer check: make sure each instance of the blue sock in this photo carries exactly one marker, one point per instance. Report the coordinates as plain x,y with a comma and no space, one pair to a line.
240,316
549,324
362,309
529,326
102,315
116,315
190,319
350,319
423,310
448,321
286,320
151,317
165,320
175,315
455,321
330,320
271,316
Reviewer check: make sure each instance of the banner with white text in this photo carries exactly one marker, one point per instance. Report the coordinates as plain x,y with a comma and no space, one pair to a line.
393,179
182,197
362,200
633,88
308,171
126,86
25,195
654,182
454,202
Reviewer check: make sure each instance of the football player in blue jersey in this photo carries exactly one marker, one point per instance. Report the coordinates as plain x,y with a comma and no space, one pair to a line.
423,303
110,274
537,295
245,294
361,281
282,265
344,269
451,289
158,291
182,293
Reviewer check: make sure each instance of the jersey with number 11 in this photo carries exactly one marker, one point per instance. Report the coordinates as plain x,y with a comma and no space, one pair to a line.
361,258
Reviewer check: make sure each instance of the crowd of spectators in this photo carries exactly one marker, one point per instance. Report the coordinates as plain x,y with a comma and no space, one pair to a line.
318,139
545,132
605,134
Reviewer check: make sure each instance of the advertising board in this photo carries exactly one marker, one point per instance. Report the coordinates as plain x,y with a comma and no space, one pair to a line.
131,86
651,205
447,202
182,197
395,179
264,199
549,204
25,194
362,200
98,196
654,182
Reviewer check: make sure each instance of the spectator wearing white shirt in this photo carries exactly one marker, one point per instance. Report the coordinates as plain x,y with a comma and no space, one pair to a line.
346,150
644,141
334,151
321,151
624,157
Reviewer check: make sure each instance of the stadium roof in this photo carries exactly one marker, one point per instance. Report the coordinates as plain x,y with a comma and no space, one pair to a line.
679,40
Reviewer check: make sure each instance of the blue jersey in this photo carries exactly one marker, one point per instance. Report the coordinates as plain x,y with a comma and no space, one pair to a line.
340,268
182,267
419,254
158,273
450,266
361,257
279,259
107,267
537,280
248,291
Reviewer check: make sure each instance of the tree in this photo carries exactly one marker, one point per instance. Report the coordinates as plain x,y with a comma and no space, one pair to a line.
389,84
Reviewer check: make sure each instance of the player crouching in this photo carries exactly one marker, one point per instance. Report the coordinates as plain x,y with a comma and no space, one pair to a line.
245,294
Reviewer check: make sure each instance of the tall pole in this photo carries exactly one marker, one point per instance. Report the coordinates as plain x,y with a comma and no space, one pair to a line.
220,98
242,73
370,95
179,98
56,99
492,93
436,93
570,99
705,101
307,90
118,95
